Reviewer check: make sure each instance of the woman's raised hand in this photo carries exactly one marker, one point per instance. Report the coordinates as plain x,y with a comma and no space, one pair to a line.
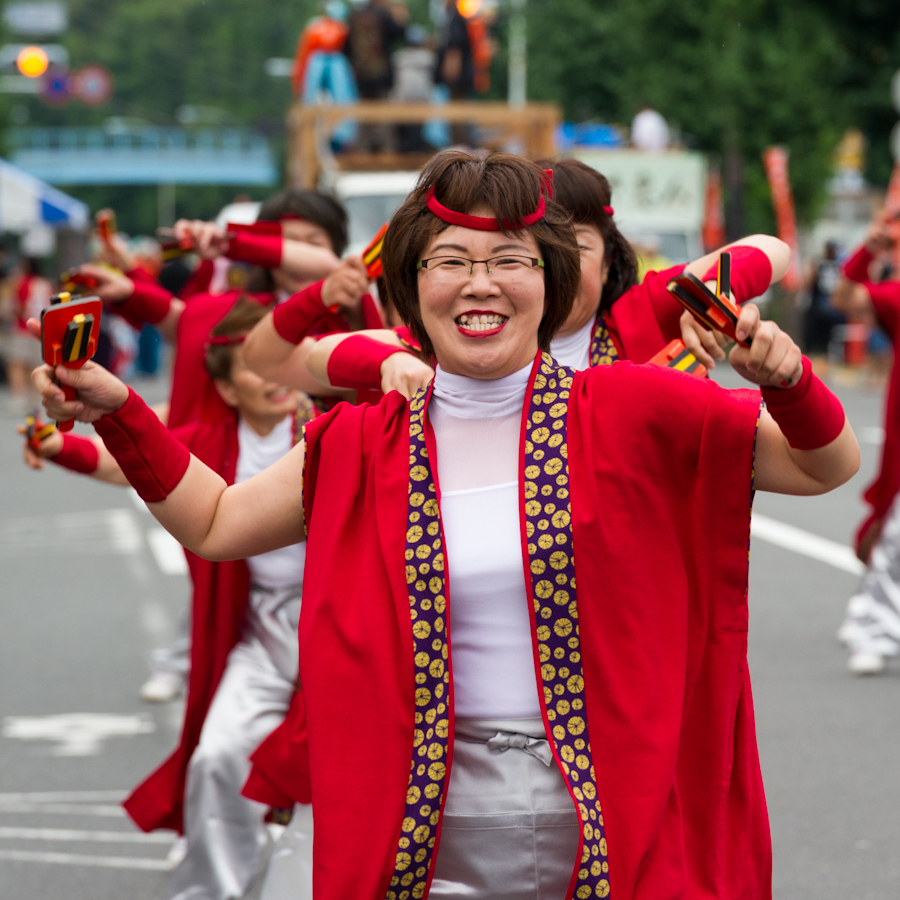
706,345
405,373
209,240
98,392
773,359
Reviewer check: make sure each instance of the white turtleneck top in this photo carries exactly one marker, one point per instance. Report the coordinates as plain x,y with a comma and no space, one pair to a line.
574,349
476,425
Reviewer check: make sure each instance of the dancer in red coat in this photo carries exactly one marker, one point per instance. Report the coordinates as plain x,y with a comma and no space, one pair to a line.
595,711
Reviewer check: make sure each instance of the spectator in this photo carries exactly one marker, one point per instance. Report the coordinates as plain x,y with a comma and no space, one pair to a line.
31,294
323,34
413,83
820,316
374,30
649,130
456,65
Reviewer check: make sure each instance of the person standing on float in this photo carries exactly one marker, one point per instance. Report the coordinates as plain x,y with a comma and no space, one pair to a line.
595,710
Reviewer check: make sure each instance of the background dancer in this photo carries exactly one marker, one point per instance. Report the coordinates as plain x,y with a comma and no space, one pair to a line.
614,460
244,643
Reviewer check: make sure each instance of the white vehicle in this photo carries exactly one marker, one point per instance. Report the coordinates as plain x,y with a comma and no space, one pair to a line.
370,199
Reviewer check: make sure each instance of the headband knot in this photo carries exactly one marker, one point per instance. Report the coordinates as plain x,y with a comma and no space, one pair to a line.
609,210
489,223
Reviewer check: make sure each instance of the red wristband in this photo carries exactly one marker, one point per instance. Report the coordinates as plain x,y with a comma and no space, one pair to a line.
296,318
80,454
808,414
356,362
256,249
857,267
148,304
751,272
151,458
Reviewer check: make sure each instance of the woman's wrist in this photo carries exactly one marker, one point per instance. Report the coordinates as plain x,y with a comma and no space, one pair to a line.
298,316
257,249
808,414
147,304
357,361
151,458
77,453
751,272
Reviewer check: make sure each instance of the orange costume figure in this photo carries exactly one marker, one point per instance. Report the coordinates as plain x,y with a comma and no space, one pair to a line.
324,34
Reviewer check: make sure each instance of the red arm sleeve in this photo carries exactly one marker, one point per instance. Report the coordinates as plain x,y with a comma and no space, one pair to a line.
857,267
885,298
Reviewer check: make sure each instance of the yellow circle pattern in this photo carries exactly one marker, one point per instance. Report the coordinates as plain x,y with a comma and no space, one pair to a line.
427,608
548,527
603,350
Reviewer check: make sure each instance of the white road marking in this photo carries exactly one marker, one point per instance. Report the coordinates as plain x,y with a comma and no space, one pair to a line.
76,859
63,796
63,809
90,532
70,834
77,734
167,552
871,434
805,543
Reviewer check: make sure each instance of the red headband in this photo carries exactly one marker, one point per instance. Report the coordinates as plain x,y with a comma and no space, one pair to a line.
609,210
220,340
488,223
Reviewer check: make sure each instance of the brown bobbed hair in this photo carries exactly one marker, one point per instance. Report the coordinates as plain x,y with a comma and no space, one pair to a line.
510,188
583,192
321,209
241,319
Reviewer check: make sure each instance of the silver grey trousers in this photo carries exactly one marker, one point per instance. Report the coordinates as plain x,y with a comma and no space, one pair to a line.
510,830
225,832
872,623
289,876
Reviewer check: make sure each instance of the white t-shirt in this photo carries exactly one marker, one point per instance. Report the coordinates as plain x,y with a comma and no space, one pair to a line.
574,350
278,568
476,425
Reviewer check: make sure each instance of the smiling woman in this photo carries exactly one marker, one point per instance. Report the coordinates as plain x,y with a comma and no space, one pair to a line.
594,714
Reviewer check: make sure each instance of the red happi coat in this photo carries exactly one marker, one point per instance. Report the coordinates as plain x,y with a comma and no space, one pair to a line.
217,605
660,473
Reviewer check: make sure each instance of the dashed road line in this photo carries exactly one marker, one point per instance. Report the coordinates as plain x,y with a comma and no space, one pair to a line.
789,537
77,859
74,834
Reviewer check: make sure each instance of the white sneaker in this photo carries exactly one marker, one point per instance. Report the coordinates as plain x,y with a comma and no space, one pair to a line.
866,663
162,686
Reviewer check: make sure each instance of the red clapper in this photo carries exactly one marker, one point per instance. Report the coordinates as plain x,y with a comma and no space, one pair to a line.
676,356
69,332
715,311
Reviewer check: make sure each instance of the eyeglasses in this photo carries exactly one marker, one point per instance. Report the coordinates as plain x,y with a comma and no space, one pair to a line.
452,269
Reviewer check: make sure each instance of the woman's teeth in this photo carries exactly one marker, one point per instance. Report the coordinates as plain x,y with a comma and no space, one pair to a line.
480,322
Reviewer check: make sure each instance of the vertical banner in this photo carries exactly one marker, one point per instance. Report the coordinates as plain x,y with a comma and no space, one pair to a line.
775,159
892,208
713,232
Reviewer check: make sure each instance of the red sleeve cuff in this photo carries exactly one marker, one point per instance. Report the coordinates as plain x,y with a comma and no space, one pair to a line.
256,249
751,272
151,458
298,316
148,304
80,454
857,267
356,362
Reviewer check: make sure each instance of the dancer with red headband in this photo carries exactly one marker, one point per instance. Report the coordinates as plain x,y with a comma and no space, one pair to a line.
613,317
871,628
482,641
244,646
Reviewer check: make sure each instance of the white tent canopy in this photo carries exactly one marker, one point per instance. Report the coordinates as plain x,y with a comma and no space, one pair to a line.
27,203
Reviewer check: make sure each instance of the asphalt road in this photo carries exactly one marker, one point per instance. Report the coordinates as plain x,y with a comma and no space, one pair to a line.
83,599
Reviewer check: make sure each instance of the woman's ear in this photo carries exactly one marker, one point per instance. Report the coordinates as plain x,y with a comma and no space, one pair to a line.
226,392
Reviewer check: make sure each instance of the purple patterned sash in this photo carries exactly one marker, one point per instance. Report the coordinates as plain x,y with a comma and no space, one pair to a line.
551,573
603,350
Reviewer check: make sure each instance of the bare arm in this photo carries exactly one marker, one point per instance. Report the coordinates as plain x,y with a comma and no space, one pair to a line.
207,517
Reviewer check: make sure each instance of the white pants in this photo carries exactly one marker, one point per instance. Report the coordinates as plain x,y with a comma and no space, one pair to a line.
289,876
225,832
872,623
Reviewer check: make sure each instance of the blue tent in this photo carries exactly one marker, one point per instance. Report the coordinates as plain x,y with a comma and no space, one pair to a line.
26,201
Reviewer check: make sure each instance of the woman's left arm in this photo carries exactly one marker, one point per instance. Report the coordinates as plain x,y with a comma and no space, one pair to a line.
805,444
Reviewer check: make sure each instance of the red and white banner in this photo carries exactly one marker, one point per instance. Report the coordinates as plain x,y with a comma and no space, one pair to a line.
775,159
713,232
